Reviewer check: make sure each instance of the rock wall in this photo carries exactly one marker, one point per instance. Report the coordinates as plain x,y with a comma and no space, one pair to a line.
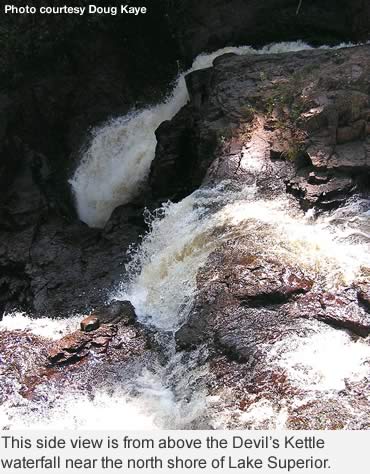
80,73
294,125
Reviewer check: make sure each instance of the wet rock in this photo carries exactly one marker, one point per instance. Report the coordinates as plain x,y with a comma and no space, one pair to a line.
335,413
117,312
21,355
262,282
175,172
111,324
305,122
73,267
90,324
33,366
101,341
74,347
242,302
322,191
340,309
363,294
118,341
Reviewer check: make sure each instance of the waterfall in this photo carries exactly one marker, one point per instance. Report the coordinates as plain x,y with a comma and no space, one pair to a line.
116,163
162,286
319,360
163,270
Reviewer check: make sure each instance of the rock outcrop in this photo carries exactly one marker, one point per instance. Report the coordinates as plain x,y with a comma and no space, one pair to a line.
308,112
80,360
305,118
112,328
56,267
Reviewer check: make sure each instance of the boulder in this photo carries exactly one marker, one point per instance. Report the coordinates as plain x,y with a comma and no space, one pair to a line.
339,309
243,300
77,345
90,324
116,312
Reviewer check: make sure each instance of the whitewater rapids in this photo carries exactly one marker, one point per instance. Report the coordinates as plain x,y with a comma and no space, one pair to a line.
116,162
320,360
162,286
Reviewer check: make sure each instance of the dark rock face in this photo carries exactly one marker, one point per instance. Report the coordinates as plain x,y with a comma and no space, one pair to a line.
247,324
58,88
56,267
246,300
173,176
204,25
304,116
121,312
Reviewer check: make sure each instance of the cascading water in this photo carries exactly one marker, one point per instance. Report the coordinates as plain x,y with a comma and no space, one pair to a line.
162,287
117,160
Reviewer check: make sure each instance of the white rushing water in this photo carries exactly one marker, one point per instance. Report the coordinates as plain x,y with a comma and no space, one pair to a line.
334,249
52,329
117,161
162,288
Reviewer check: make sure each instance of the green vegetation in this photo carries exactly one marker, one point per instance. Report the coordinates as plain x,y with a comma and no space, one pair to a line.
248,112
288,94
294,151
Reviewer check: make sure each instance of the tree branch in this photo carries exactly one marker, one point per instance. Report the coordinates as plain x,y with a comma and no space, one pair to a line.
299,7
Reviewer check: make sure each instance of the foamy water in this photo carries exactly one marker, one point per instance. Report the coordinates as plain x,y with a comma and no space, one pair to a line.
116,163
153,406
334,250
163,271
322,360
52,329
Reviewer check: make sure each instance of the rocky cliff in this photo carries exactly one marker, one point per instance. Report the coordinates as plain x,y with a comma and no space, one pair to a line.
55,88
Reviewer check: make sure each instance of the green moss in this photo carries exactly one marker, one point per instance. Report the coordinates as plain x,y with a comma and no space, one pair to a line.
248,112
294,151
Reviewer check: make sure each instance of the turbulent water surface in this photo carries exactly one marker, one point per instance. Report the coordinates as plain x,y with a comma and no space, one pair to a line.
162,286
319,360
117,160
